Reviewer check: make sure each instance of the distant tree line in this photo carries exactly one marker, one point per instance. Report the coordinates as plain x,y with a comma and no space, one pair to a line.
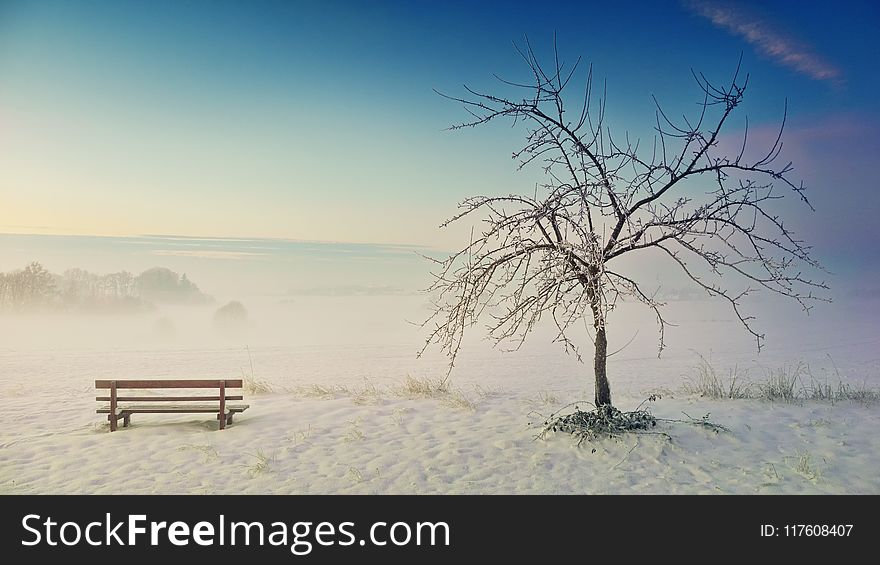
34,288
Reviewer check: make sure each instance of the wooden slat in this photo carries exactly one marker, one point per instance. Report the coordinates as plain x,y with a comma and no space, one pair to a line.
164,398
169,383
174,409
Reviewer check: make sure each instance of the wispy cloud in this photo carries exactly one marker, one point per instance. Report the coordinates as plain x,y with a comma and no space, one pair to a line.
236,255
767,41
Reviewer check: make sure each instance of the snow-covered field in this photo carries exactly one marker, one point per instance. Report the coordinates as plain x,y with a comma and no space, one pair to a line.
359,431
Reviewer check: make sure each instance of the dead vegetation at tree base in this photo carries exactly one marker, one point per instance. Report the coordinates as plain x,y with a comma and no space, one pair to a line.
604,421
609,422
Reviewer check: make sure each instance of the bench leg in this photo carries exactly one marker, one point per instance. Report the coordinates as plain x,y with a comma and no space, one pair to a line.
225,421
114,418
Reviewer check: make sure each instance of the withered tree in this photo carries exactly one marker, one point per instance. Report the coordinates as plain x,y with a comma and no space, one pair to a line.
553,252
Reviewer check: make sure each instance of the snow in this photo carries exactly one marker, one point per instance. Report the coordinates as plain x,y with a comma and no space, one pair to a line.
370,437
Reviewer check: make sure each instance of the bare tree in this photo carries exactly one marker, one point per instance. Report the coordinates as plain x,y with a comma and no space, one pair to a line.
554,252
30,288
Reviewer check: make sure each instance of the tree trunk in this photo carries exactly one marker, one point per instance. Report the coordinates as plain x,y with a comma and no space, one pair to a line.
603,391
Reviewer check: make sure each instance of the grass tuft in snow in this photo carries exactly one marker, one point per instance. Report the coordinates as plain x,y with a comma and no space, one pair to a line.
260,463
369,394
459,400
354,474
398,416
709,384
782,384
438,389
804,464
253,386
424,387
826,392
789,383
354,432
250,384
208,452
412,388
545,398
324,392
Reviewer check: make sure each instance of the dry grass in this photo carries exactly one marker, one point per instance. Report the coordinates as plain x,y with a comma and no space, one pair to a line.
709,384
369,394
803,463
324,392
424,387
260,463
207,452
789,383
458,400
411,388
250,384
353,431
253,386
546,398
484,392
824,391
300,436
781,384
398,415
771,476
438,389
354,474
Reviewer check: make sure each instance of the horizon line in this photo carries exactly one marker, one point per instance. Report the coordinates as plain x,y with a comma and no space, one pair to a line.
208,238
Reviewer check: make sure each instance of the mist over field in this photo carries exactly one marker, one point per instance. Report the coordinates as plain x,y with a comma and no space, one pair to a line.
334,311
324,340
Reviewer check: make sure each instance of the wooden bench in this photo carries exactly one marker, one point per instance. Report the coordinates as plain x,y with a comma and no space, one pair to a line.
155,404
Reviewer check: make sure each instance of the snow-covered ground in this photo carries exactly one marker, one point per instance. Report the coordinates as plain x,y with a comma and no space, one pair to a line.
370,436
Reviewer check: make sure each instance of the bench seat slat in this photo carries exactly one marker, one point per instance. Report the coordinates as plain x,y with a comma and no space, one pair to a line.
159,409
164,398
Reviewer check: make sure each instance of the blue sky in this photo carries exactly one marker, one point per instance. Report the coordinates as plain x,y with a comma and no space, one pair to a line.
318,120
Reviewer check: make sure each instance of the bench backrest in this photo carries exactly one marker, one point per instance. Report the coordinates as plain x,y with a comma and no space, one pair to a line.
114,385
166,383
